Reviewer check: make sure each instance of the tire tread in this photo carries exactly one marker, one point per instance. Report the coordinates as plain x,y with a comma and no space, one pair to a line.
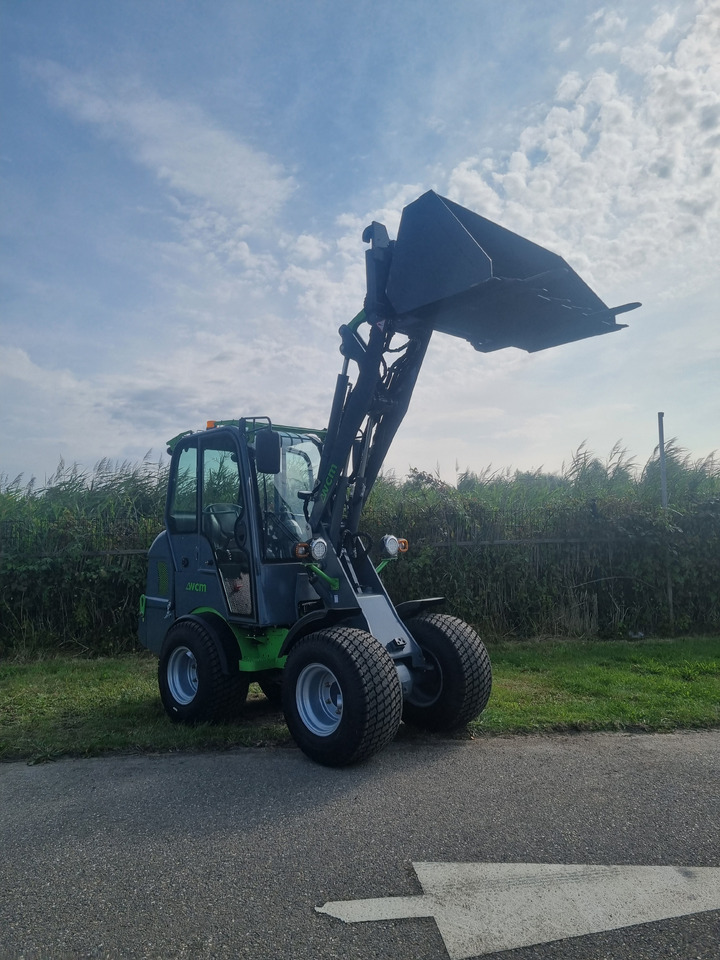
475,672
225,696
380,696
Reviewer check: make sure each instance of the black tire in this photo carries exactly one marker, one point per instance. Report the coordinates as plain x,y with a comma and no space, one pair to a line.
455,686
342,697
193,687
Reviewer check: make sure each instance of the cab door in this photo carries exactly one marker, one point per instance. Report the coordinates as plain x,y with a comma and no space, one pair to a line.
207,522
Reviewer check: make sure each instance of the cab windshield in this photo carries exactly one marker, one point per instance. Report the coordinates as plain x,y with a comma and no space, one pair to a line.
284,522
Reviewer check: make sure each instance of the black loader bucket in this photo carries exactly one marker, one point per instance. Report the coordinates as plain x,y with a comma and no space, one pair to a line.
468,277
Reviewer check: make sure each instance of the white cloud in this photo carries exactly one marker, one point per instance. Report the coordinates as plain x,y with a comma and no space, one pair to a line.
607,21
123,415
607,46
44,407
569,87
181,146
306,248
621,179
661,26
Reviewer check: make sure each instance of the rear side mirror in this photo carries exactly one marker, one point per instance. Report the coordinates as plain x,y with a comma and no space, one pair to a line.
267,451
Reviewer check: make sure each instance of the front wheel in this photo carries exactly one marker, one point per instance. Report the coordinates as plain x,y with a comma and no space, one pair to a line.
193,687
341,695
454,685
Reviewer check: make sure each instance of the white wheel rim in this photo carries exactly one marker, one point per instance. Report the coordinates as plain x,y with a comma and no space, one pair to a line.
182,675
319,699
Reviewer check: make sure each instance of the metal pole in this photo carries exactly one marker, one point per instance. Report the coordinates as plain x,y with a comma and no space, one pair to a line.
663,464
664,501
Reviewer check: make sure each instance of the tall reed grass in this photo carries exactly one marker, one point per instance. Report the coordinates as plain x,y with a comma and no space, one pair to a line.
72,564
587,551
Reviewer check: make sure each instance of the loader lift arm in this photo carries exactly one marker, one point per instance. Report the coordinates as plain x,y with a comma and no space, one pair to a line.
365,416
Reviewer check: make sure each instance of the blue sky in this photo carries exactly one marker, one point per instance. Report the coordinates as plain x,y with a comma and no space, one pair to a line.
184,188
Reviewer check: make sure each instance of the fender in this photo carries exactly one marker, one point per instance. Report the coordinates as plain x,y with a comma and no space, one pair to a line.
409,608
315,620
318,619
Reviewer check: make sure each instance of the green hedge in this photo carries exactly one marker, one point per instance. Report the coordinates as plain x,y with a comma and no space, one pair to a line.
650,578
588,552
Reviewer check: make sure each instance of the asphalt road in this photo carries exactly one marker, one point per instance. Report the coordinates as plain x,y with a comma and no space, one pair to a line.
227,855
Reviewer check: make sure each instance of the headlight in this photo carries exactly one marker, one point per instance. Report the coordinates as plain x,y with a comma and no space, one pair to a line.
318,549
391,545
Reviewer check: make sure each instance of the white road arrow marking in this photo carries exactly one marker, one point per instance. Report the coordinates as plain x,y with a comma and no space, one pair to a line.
486,907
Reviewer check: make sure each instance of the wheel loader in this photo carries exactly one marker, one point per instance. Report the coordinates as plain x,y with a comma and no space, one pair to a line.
263,574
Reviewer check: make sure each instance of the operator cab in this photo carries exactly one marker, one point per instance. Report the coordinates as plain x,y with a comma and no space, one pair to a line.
233,521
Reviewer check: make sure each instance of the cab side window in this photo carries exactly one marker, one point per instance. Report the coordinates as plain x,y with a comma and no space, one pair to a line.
222,523
182,514
222,503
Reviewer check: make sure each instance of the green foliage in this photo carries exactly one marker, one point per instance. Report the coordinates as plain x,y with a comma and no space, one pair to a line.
118,497
586,552
70,602
72,563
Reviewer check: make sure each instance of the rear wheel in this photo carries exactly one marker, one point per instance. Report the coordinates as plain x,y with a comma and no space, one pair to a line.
342,698
193,687
454,687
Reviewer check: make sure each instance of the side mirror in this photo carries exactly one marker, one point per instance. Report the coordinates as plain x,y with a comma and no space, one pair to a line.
267,451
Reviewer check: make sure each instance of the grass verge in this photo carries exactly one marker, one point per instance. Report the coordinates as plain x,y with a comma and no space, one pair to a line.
81,707
649,685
